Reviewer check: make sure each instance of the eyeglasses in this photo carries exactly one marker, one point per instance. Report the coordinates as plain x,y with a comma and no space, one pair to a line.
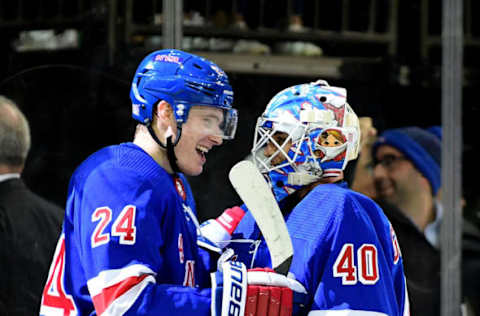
388,161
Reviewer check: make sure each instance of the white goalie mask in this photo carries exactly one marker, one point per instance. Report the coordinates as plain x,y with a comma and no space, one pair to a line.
320,134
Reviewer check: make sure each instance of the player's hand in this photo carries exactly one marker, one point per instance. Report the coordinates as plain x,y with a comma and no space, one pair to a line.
256,292
215,234
270,293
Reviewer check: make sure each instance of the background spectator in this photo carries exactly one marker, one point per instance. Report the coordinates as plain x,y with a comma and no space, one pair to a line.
29,225
407,180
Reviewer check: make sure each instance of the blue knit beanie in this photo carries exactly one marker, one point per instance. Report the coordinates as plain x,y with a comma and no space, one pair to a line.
423,148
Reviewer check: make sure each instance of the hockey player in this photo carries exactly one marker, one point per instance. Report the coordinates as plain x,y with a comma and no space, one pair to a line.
345,250
128,243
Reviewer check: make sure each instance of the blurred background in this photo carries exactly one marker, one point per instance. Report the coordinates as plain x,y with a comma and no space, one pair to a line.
68,64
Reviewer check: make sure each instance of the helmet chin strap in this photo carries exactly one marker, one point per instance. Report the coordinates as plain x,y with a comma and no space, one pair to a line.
171,153
172,159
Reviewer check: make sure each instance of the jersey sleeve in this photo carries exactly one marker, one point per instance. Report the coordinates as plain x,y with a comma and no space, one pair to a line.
125,234
358,268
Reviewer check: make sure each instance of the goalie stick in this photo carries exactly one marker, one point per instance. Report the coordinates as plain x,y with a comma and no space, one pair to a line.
258,197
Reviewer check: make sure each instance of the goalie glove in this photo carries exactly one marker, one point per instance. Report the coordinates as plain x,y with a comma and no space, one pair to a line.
256,292
215,234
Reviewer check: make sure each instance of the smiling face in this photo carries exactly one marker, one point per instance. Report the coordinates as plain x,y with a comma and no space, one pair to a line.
396,179
199,134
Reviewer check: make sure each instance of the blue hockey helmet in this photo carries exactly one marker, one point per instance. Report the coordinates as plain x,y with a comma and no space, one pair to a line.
183,80
323,131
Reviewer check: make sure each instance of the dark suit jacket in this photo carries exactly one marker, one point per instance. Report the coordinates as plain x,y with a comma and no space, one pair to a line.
422,264
29,229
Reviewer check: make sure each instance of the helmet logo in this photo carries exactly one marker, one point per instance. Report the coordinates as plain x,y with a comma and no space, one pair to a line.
168,59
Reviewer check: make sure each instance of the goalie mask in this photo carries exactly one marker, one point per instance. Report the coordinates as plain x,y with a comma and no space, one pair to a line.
306,133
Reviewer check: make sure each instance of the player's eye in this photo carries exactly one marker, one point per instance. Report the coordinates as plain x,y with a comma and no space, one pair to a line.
208,121
280,138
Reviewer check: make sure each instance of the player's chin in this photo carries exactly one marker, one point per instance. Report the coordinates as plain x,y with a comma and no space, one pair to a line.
192,169
196,173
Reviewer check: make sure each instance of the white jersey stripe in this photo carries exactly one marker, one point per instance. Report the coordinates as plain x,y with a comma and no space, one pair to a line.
406,304
121,304
109,278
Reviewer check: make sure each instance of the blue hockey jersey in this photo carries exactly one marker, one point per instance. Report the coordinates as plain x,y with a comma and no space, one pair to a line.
345,254
128,243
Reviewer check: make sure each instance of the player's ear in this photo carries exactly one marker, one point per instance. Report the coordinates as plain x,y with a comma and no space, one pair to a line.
164,110
163,117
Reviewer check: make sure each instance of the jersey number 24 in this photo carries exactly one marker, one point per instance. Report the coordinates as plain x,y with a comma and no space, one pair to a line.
123,227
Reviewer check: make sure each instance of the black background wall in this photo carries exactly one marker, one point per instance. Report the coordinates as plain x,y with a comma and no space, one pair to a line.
76,103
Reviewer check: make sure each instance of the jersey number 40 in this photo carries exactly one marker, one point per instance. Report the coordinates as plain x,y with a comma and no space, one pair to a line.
367,262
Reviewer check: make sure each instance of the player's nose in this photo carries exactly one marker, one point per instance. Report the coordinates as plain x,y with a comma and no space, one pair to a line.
216,140
268,150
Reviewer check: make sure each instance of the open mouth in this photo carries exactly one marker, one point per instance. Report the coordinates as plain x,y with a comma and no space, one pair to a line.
202,151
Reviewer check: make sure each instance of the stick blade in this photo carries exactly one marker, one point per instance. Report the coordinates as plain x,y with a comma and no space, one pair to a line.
258,197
